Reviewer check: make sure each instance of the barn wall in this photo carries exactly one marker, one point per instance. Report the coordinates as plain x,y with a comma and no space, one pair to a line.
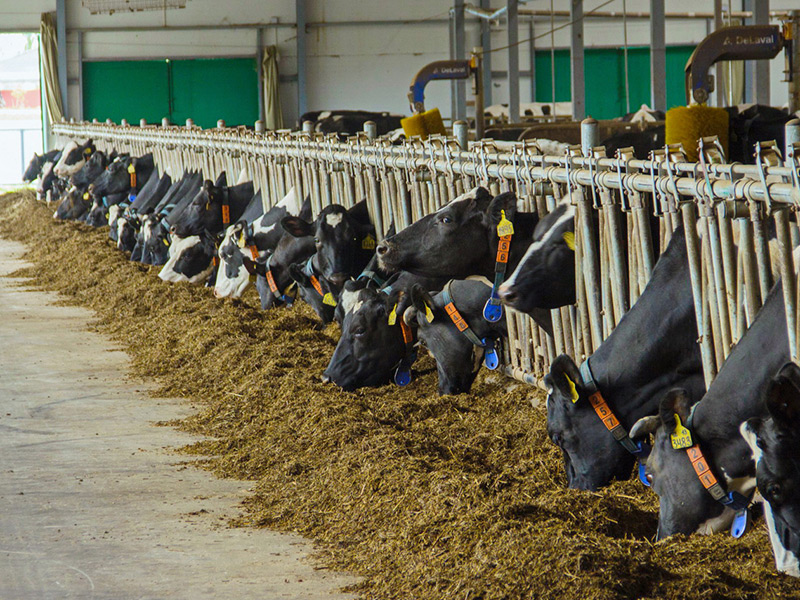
349,66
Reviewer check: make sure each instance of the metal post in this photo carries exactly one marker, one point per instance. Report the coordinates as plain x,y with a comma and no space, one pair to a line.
371,129
658,56
512,31
61,41
590,266
718,68
461,133
302,57
486,57
576,54
79,110
760,68
259,126
260,70
793,63
532,60
308,126
459,52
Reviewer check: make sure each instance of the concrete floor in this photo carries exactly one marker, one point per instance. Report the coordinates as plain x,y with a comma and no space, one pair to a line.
92,505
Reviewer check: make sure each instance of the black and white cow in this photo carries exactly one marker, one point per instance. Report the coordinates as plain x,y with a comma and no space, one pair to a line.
117,178
37,163
653,349
314,289
47,179
775,442
124,224
715,424
451,326
259,233
73,157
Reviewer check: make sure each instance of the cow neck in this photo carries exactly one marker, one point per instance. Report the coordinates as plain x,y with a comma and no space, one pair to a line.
658,330
402,370
310,270
524,224
789,538
235,200
273,286
487,343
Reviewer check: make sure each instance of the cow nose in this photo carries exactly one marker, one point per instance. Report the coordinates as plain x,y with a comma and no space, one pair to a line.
326,378
507,293
382,248
216,294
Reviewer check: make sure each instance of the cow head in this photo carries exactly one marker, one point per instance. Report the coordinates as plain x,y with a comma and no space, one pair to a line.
90,171
344,240
318,292
232,275
115,179
545,276
458,360
189,259
592,457
33,169
775,442
290,250
155,240
74,204
126,226
369,349
684,504
73,157
47,178
449,242
204,212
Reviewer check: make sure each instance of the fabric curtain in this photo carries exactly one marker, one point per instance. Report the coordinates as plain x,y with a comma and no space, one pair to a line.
48,50
273,117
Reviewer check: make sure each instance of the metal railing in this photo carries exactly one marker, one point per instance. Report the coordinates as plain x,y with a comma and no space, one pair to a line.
616,200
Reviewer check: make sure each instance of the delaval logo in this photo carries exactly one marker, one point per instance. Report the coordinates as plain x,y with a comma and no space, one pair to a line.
749,40
451,70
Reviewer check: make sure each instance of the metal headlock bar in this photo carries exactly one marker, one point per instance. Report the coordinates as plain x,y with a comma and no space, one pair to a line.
727,211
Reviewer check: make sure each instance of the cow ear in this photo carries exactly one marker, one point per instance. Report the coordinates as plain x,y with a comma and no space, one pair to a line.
360,213
482,197
644,427
502,207
222,180
297,274
392,230
675,402
422,301
564,375
783,397
297,227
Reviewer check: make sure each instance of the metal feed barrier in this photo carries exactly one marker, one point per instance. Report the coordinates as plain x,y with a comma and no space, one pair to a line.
726,209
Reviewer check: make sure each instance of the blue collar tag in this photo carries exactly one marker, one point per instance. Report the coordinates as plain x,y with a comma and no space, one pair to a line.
642,475
490,359
288,300
131,197
493,310
739,524
402,376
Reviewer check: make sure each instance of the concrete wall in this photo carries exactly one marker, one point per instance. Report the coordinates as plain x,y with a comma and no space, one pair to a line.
349,66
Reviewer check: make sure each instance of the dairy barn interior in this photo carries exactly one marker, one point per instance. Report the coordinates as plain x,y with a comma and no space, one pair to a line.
342,299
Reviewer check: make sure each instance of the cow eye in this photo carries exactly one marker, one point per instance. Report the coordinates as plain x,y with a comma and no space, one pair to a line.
359,332
773,491
446,219
316,241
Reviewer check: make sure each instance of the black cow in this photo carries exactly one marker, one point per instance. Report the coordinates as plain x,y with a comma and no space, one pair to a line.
48,180
643,142
775,442
37,163
315,289
753,123
117,178
124,223
350,122
274,283
715,423
452,328
653,349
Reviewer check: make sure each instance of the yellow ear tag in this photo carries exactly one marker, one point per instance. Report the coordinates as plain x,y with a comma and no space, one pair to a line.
504,227
166,243
368,243
574,395
131,168
393,315
87,151
681,438
569,240
328,299
85,195
241,242
428,314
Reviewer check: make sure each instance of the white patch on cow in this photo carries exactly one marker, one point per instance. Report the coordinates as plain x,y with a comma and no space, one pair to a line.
750,437
717,524
62,169
120,225
147,231
324,115
643,115
55,214
348,300
178,246
569,213
785,560
291,202
226,286
470,195
333,219
48,166
113,214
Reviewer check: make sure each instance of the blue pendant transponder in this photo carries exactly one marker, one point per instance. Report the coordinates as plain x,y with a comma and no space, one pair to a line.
131,196
643,475
402,376
490,358
492,311
739,523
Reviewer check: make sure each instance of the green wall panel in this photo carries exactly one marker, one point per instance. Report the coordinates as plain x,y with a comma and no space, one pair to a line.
204,90
130,90
605,78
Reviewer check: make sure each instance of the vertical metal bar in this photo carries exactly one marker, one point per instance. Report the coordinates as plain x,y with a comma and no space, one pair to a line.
486,57
787,277
760,68
458,86
302,57
576,54
61,42
718,68
532,59
689,214
79,110
658,56
762,249
260,70
512,27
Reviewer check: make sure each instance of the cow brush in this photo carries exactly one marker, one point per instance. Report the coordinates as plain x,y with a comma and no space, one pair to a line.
687,124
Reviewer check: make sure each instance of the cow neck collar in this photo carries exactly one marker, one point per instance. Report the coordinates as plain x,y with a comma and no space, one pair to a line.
493,310
225,208
273,287
639,449
310,271
488,344
789,538
372,277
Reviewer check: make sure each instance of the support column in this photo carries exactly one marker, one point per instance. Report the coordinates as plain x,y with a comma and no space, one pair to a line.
302,62
719,89
576,55
79,108
658,57
458,90
61,33
260,68
512,27
532,59
760,68
486,58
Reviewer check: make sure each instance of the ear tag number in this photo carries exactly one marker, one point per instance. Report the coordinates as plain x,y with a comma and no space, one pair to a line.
393,315
681,438
574,395
504,227
428,314
739,524
569,240
368,243
328,299
490,358
402,376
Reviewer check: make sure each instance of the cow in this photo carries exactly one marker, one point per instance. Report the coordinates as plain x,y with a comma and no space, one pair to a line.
37,163
451,326
124,223
47,179
774,440
316,290
350,122
73,157
76,202
653,349
714,426
118,178
247,239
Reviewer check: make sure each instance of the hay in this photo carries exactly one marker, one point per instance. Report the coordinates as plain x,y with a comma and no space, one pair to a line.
426,497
